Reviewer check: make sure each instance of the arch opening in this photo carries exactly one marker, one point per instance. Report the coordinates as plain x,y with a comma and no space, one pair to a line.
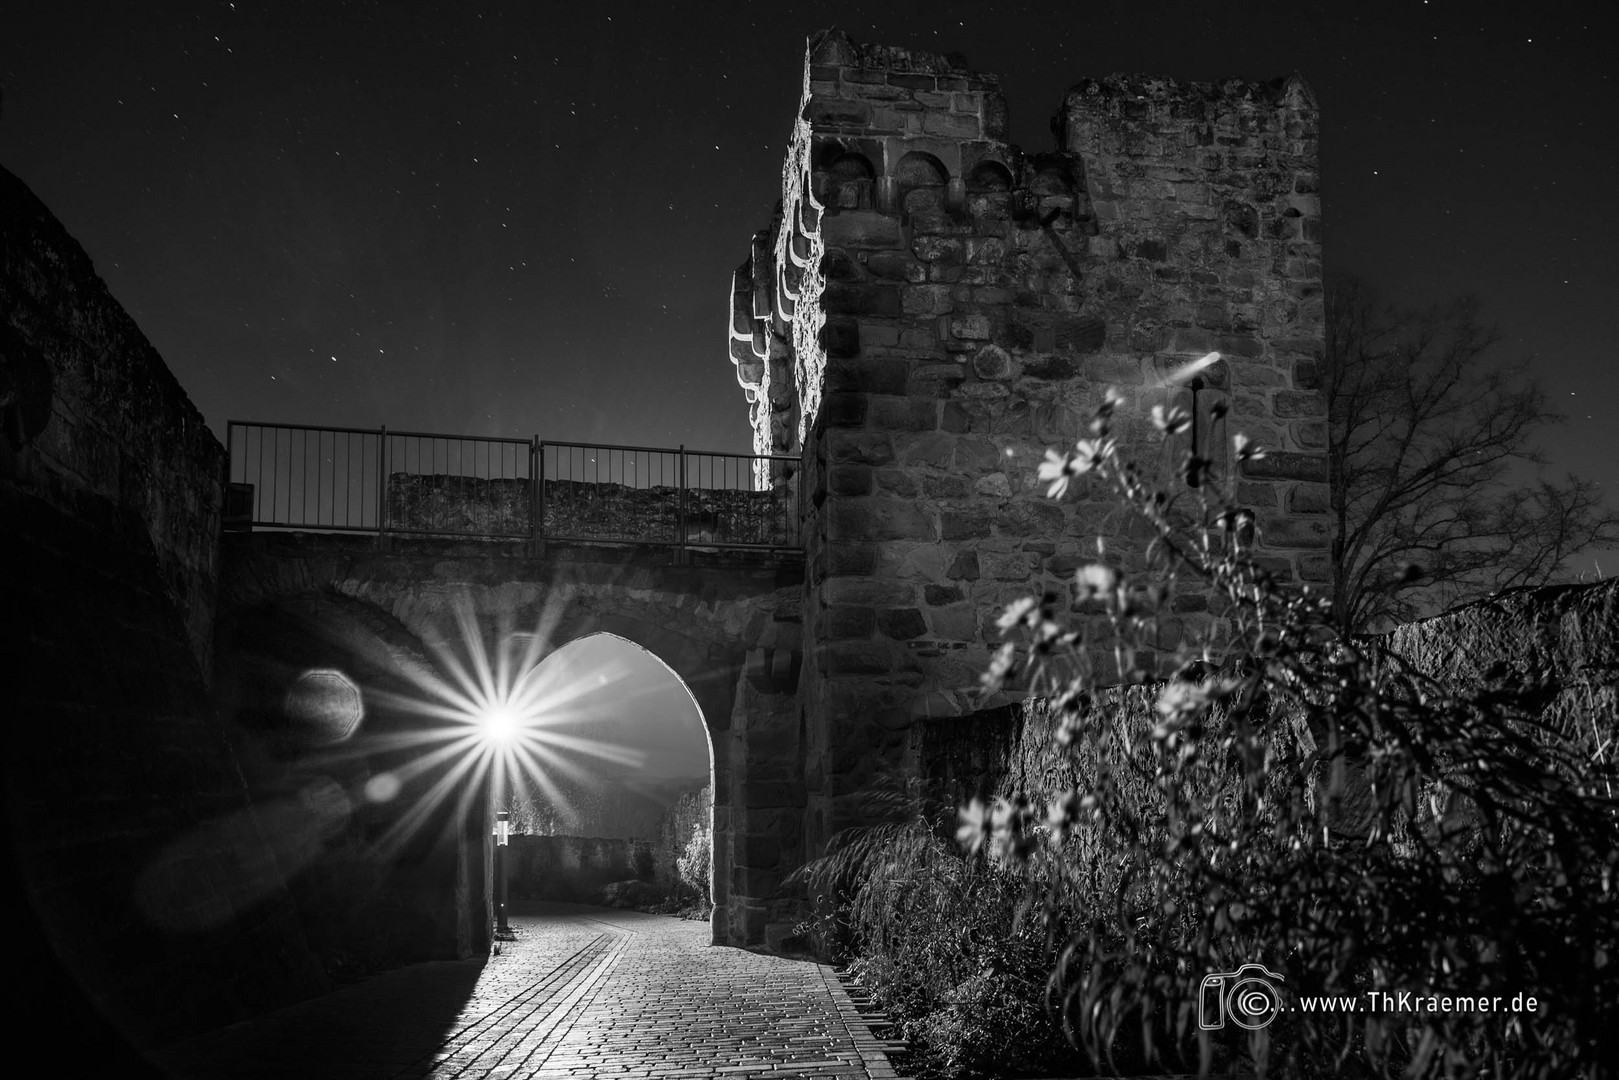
608,781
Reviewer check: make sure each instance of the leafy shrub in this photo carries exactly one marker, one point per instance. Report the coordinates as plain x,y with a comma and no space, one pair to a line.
694,861
1294,798
942,940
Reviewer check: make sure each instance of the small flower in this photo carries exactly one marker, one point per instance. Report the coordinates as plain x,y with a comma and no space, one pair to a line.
1000,666
1016,612
1171,421
973,827
1247,449
1054,473
1090,453
1095,581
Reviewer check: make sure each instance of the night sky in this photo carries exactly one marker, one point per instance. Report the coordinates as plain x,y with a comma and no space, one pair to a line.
522,219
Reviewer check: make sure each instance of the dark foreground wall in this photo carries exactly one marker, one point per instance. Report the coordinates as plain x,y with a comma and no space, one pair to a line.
150,878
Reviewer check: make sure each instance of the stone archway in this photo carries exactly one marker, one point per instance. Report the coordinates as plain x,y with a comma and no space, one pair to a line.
729,633
616,740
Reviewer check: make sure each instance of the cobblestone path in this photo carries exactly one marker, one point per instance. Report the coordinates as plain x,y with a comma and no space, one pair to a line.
583,992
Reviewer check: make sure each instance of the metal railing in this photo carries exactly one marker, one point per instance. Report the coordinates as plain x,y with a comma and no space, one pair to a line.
296,476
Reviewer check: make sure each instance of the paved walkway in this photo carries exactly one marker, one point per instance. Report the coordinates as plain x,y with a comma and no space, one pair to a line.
582,992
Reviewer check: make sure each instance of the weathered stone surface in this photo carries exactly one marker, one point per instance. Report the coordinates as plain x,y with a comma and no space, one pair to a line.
1080,333
876,518
1285,465
1297,530
901,623
861,229
1299,403
868,447
964,566
1568,634
1309,498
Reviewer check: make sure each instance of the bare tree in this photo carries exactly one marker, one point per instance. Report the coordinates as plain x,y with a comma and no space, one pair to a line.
1430,450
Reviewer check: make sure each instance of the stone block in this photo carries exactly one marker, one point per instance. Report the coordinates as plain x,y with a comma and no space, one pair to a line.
1009,566
757,850
946,486
1307,404
1054,368
901,624
935,595
933,448
1296,531
926,300
843,622
1256,495
851,658
841,337
971,326
966,524
842,409
952,125
850,558
992,362
1079,333
870,447
964,567
868,591
875,518
977,455
940,249
874,375
897,413
1315,567
898,482
955,419
861,229
874,299
995,486
893,266
1053,424
1309,434
959,622
849,478
1028,517
1285,465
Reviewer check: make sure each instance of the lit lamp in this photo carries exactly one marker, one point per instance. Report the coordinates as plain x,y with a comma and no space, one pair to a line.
503,828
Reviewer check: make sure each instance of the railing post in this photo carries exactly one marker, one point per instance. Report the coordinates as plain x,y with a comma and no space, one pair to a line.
536,499
680,516
382,484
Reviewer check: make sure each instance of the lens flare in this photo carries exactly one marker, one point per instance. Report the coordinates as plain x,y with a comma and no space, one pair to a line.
501,724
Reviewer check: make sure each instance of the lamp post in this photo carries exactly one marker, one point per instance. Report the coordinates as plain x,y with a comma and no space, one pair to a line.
1193,477
502,835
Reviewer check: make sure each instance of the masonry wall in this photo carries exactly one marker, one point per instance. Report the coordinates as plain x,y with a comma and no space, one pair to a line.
151,881
92,413
932,308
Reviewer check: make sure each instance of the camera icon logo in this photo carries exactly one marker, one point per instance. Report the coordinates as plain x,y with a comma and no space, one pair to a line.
1250,997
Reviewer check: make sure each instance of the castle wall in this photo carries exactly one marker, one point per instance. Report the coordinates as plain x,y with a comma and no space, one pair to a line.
156,888
90,412
972,303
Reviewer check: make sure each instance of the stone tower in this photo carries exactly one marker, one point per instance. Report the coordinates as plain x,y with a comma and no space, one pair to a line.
931,308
